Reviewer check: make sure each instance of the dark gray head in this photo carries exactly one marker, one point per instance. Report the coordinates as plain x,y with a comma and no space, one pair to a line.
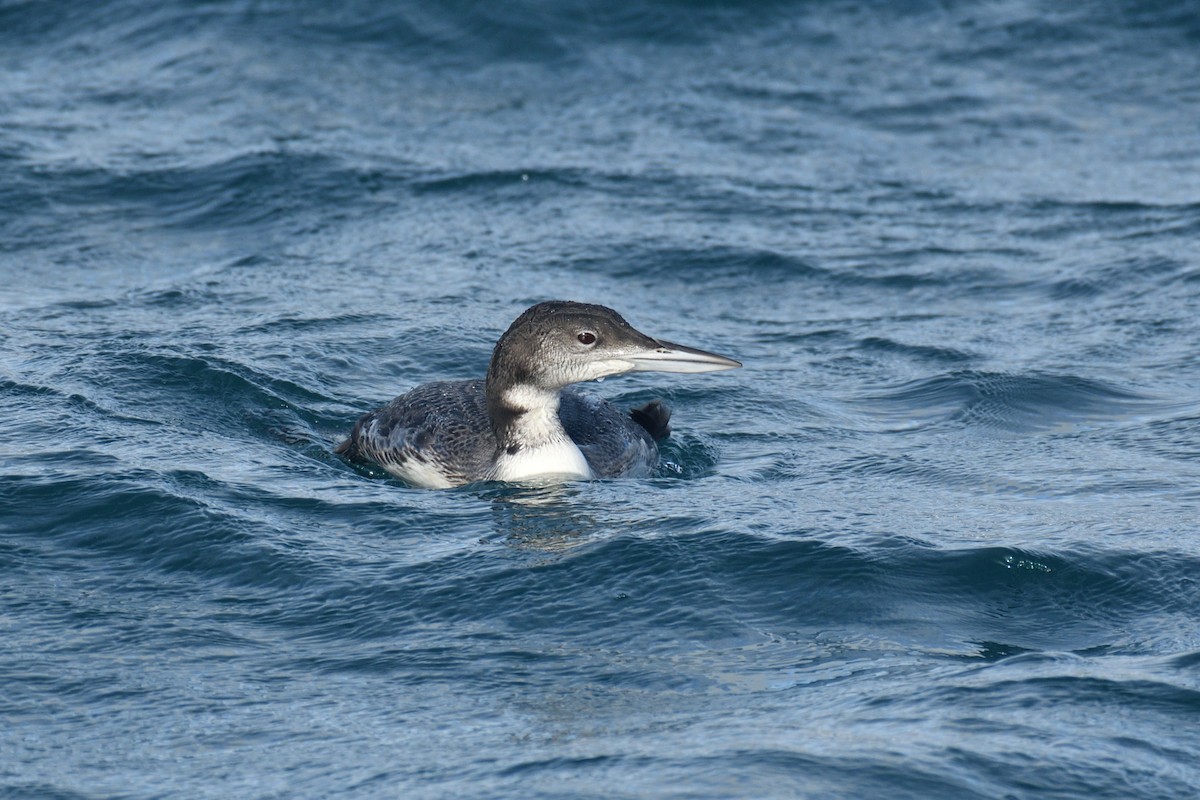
557,343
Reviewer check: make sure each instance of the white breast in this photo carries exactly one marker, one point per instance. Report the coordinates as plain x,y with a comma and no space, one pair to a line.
561,458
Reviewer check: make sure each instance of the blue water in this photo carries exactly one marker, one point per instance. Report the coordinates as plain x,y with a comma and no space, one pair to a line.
939,538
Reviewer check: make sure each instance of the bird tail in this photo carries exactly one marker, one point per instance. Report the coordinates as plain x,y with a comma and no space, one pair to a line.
654,417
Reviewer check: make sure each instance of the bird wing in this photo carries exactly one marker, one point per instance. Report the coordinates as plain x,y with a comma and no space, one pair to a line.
614,445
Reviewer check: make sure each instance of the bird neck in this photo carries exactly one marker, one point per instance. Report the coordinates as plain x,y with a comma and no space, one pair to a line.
524,416
531,440
523,409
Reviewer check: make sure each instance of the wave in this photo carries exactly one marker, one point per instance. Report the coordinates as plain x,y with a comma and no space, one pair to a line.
1022,403
247,190
719,587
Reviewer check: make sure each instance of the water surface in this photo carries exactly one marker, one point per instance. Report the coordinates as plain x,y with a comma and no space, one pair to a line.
937,538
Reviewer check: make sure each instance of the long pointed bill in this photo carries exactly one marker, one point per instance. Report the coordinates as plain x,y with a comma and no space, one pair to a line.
671,357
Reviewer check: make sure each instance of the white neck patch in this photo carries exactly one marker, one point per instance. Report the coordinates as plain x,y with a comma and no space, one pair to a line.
544,447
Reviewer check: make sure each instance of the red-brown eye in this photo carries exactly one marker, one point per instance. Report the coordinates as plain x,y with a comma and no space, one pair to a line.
586,337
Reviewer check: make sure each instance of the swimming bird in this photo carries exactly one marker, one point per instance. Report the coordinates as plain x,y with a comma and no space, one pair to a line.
522,422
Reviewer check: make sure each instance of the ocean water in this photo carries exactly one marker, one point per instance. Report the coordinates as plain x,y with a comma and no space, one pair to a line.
939,538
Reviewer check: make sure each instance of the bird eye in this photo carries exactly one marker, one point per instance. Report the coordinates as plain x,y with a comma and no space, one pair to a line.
586,337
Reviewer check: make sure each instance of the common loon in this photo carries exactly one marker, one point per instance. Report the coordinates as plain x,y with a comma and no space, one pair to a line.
519,423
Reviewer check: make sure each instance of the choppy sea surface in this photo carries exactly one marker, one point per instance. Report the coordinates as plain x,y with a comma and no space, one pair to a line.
939,538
